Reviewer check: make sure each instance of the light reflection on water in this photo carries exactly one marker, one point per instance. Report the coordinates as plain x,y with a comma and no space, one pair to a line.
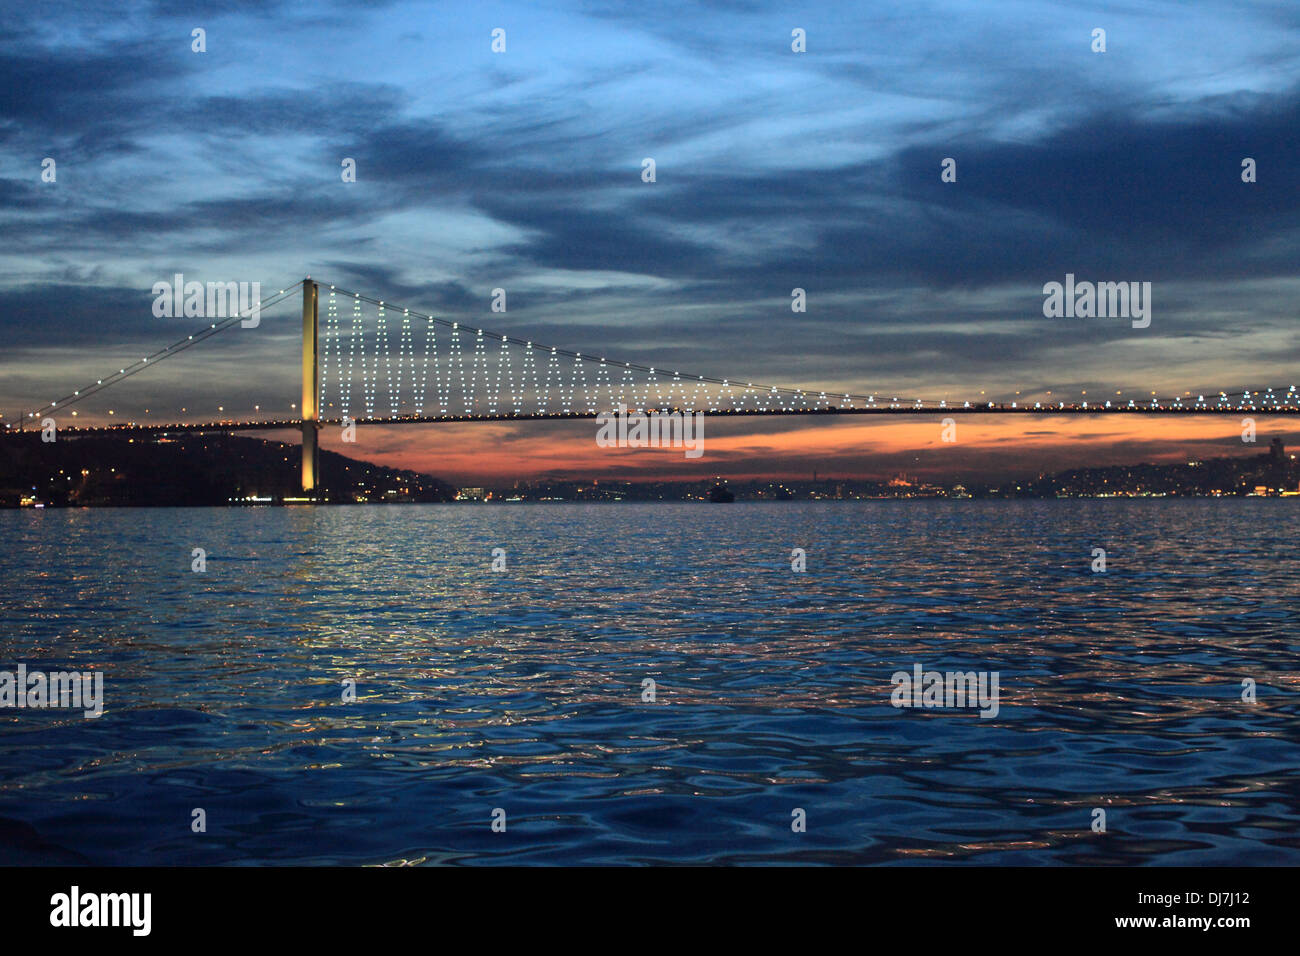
522,690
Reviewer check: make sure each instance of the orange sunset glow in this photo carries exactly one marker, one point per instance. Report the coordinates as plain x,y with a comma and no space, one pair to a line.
1009,446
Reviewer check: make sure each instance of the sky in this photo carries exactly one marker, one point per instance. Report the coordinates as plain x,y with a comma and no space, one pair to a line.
774,170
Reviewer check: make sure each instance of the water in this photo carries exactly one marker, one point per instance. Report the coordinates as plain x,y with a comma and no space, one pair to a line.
522,690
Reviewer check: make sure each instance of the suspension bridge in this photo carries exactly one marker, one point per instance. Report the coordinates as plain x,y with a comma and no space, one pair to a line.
369,361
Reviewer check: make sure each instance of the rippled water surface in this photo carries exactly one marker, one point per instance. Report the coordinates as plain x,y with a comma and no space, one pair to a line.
523,690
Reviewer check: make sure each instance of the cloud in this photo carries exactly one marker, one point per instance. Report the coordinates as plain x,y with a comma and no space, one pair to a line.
818,171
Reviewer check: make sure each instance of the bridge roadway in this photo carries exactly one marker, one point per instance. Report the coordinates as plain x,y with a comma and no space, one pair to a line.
898,409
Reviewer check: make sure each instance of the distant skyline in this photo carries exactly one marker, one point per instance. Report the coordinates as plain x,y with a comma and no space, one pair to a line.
775,170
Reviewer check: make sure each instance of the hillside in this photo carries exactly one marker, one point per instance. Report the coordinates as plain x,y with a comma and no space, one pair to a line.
191,470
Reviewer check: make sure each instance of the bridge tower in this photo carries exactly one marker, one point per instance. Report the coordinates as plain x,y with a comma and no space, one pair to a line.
310,387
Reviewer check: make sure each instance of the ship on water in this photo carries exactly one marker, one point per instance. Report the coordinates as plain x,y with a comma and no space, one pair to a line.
721,493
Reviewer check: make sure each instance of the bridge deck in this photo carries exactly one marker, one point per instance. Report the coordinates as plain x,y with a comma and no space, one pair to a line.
898,410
